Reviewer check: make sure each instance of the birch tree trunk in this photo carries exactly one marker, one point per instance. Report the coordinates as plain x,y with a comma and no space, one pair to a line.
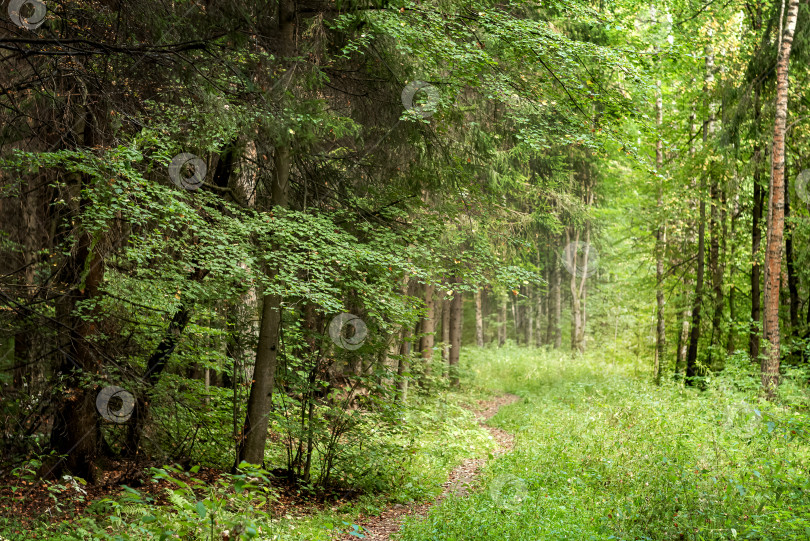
776,210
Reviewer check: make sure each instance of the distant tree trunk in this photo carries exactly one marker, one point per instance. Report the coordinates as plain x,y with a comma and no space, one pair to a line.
708,130
660,248
776,222
445,329
694,335
541,318
792,277
502,322
479,319
456,313
716,216
403,366
756,240
529,316
554,332
732,294
427,340
683,343
578,291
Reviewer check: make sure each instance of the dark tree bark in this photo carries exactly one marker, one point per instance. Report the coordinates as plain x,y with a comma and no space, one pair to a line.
756,244
792,276
154,368
76,430
732,294
708,130
717,218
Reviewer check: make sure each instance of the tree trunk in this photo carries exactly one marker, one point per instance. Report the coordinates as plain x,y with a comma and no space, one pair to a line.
76,431
756,240
529,316
792,277
732,294
254,433
708,130
717,217
479,319
428,329
660,248
554,331
456,313
445,329
578,291
773,255
541,317
502,322
683,343
155,365
403,366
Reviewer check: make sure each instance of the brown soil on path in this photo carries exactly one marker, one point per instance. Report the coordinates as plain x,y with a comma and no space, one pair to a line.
381,527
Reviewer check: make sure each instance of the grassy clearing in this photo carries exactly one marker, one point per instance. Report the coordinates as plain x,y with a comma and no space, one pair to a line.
602,455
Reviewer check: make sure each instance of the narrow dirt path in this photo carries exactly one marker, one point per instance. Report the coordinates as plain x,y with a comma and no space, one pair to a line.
381,527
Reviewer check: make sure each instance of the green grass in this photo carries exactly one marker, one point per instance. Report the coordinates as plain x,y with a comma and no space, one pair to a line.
602,455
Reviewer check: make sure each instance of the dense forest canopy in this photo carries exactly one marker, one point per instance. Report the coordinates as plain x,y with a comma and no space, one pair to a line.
248,235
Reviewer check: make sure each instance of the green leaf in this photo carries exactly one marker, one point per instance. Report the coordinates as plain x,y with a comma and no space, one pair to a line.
201,510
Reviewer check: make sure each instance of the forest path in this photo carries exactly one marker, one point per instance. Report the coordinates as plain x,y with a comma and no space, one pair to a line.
382,526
